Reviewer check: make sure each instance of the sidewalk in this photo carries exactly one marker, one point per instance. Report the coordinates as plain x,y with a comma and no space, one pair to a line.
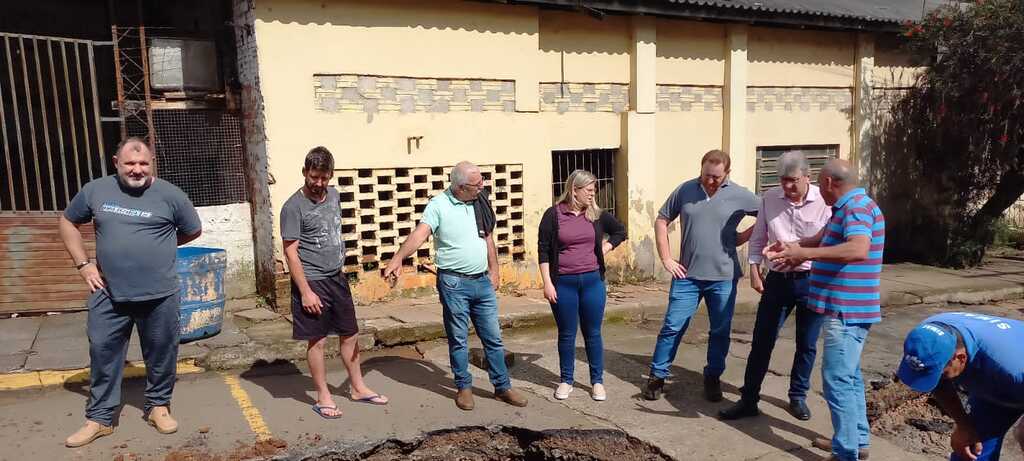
52,350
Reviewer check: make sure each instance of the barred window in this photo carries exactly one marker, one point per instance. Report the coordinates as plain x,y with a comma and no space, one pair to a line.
600,162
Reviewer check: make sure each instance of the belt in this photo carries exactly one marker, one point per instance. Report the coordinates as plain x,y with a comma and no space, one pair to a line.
460,274
793,275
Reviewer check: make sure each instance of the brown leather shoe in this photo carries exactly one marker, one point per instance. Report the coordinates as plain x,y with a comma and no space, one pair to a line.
89,432
464,399
822,443
511,397
161,419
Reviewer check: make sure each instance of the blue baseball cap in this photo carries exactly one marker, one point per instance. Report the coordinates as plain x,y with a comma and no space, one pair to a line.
926,351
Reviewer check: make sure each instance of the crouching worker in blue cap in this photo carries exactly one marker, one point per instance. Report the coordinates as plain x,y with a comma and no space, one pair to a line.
982,355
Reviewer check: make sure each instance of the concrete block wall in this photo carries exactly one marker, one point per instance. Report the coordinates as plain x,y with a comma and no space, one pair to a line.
584,97
373,94
803,99
686,98
380,207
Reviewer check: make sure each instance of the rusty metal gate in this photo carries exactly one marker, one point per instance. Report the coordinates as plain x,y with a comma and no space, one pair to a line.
52,144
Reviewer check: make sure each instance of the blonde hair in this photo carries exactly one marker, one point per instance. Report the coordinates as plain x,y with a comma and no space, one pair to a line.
578,179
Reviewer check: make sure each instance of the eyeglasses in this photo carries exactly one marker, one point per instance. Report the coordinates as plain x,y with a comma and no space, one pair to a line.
478,185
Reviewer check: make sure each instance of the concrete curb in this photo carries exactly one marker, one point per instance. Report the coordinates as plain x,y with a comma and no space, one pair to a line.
47,378
261,350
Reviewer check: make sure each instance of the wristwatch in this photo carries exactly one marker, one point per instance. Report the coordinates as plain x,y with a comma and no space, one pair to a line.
82,264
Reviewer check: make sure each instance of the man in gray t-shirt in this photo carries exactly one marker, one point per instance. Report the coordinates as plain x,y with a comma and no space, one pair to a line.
317,228
321,299
709,209
140,221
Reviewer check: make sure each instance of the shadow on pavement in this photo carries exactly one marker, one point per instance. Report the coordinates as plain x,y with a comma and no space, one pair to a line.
297,386
132,394
685,393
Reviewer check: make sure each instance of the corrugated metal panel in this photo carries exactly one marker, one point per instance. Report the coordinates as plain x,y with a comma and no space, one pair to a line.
36,273
870,10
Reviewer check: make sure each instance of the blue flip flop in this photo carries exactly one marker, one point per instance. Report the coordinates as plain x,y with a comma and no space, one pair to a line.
374,399
319,409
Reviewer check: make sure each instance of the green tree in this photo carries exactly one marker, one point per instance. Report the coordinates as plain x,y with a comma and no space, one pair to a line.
949,154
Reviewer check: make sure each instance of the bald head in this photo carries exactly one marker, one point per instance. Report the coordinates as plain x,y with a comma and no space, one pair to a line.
840,171
132,144
462,173
466,181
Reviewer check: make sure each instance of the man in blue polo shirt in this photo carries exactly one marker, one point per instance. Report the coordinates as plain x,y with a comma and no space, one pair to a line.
981,355
467,274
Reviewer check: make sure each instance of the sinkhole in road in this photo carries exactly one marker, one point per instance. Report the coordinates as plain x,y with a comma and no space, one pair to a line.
503,443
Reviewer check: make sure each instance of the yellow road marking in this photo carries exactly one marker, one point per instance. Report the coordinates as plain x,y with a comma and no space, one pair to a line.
39,379
249,411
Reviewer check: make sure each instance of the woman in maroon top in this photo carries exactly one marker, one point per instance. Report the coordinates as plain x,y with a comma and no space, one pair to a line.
571,248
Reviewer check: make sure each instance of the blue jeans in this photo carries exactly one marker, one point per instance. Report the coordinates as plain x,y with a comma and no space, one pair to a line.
581,300
683,298
991,422
472,299
781,297
109,326
844,387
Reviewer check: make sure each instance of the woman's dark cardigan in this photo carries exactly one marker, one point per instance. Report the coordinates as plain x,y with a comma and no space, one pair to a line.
548,245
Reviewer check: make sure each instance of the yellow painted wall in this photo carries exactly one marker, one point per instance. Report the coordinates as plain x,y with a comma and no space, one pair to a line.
690,53
787,57
682,139
298,39
795,128
396,37
593,50
894,68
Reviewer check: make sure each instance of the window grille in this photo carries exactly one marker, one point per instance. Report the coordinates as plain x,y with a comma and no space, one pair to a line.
600,162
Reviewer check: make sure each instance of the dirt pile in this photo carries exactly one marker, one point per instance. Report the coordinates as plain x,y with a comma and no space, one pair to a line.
504,444
196,450
907,418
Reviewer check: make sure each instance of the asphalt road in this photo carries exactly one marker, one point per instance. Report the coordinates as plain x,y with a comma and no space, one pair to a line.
224,414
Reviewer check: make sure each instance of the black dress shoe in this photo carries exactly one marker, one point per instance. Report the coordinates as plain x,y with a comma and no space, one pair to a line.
653,389
799,410
712,389
739,410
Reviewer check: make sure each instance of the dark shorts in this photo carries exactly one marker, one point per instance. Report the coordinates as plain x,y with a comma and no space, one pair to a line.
337,317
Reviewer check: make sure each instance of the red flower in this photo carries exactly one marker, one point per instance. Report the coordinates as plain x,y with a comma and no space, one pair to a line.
1003,139
947,22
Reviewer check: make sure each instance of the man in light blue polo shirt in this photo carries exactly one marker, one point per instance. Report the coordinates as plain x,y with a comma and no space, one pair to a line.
467,274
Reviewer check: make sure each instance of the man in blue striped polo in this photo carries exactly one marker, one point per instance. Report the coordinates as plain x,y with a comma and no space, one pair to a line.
847,263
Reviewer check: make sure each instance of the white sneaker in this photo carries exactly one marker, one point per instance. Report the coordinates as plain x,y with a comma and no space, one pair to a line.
598,393
563,391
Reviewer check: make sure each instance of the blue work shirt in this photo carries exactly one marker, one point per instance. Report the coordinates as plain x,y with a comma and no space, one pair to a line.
995,364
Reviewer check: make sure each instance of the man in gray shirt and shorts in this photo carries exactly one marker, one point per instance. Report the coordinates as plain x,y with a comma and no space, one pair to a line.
321,300
140,221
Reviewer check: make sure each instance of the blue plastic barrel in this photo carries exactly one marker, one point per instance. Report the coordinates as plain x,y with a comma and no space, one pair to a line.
201,277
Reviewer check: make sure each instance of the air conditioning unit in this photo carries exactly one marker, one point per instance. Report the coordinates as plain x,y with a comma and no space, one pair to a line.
183,65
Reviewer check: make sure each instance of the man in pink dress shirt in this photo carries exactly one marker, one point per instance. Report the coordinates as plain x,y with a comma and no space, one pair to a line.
790,212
